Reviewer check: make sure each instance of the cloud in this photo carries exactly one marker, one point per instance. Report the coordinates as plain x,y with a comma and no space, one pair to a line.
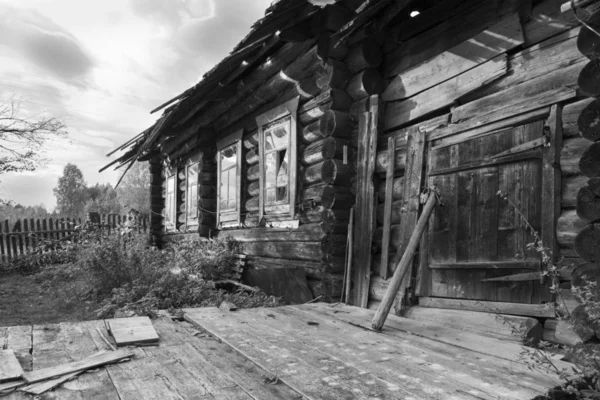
44,43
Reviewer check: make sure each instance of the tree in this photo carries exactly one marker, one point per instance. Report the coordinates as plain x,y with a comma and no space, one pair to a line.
22,140
134,190
102,198
71,192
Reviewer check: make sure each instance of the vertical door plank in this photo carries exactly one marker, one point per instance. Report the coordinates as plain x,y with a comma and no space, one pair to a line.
365,207
387,208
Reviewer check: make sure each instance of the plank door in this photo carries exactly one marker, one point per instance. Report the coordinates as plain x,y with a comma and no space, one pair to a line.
477,234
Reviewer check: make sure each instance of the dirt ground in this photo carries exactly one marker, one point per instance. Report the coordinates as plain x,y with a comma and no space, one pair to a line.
24,301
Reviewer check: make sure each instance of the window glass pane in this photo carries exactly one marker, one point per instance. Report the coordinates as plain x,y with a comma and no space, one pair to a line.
277,134
277,139
192,191
232,189
228,157
170,201
270,170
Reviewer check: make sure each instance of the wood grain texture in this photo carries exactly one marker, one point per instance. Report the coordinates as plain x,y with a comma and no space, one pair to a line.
365,209
533,310
10,369
445,93
387,210
132,330
482,47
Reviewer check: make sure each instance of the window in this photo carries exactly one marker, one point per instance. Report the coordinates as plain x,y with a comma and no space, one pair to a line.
229,180
278,162
192,195
170,204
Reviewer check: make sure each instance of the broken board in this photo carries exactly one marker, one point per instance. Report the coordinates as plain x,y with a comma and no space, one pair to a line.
130,331
10,368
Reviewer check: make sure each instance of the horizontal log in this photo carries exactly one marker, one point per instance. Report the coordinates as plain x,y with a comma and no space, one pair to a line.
567,228
329,286
366,54
332,123
251,204
334,245
336,75
364,84
381,160
328,49
587,243
588,272
311,233
310,251
308,87
340,100
499,38
594,185
253,188
397,189
250,141
331,221
252,156
588,80
329,172
570,117
570,155
570,188
207,190
328,196
588,204
253,173
314,269
445,94
326,149
206,218
588,122
535,310
394,238
589,163
396,212
587,41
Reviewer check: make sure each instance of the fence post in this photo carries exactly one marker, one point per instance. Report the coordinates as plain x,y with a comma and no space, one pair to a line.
26,238
8,239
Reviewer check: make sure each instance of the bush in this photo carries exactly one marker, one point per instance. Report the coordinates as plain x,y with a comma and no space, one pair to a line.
126,273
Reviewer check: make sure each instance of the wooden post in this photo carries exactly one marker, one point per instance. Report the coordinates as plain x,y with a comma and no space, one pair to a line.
2,245
387,208
348,280
365,207
551,180
19,238
51,229
9,251
404,265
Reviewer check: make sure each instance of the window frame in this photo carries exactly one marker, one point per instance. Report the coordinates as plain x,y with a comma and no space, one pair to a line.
230,216
287,109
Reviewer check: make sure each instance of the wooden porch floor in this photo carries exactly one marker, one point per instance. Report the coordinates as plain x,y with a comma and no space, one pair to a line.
315,351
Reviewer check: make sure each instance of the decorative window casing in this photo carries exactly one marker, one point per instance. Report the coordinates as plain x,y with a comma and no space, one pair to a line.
182,197
278,159
229,180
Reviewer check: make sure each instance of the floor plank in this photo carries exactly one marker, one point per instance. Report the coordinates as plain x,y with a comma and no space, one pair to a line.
242,371
302,374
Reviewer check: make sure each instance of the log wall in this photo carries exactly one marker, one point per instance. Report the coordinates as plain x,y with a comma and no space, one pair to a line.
450,80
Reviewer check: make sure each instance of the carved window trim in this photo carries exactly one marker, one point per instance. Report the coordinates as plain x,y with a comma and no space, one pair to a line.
230,218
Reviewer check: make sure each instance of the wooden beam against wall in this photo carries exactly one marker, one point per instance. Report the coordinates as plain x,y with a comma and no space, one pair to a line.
365,197
413,183
551,179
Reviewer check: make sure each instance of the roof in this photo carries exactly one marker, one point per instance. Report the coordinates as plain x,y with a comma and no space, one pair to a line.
261,42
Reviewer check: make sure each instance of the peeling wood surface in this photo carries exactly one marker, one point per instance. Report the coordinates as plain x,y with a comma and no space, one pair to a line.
327,351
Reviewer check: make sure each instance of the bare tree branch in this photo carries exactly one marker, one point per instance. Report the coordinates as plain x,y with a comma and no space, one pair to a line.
22,140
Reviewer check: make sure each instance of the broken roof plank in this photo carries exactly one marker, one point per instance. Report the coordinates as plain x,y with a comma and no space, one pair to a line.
133,330
81,365
10,368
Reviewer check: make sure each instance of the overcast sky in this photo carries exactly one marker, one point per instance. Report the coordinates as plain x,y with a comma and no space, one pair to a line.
102,66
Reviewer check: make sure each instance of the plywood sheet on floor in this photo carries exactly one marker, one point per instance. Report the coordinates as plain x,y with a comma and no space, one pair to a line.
10,369
132,330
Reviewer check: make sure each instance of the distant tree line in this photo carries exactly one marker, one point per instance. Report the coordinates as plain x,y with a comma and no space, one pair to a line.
74,197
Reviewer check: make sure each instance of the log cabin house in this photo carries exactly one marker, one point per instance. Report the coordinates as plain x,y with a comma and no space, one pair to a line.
355,108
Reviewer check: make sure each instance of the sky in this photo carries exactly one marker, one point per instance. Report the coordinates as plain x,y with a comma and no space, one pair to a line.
101,67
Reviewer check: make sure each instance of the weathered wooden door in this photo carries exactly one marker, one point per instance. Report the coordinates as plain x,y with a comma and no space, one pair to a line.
489,186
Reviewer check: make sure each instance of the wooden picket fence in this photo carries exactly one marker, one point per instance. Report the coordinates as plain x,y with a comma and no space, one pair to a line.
24,236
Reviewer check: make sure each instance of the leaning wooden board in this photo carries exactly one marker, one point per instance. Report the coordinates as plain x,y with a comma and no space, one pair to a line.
10,368
133,330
